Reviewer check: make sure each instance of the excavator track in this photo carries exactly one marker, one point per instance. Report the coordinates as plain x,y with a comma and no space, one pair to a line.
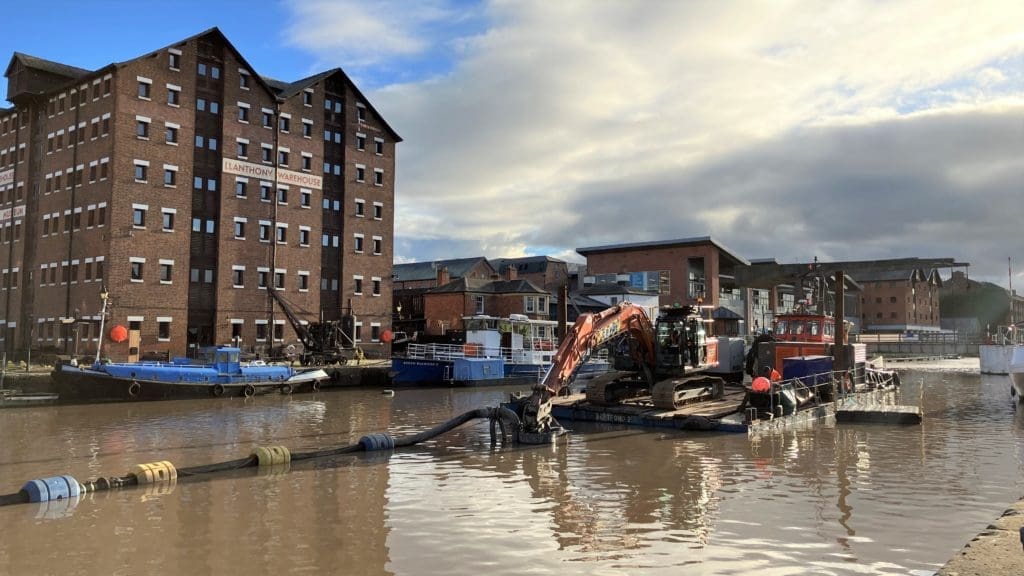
612,387
675,393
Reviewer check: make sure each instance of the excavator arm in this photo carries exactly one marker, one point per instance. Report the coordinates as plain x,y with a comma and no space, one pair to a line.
588,333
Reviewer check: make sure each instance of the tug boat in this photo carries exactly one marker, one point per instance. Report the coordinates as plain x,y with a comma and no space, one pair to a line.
803,334
217,372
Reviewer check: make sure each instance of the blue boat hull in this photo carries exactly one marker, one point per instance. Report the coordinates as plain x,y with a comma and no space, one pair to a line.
456,372
75,384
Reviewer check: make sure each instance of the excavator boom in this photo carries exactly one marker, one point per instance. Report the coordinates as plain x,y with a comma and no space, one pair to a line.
667,371
588,333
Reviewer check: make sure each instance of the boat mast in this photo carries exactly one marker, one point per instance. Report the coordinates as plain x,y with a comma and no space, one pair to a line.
103,315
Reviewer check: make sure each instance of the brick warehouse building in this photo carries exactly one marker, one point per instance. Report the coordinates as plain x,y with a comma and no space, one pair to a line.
189,186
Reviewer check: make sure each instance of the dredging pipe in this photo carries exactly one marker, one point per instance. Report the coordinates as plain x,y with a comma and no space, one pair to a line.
505,427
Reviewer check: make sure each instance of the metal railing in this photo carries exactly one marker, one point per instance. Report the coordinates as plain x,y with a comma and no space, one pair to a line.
506,354
920,338
836,387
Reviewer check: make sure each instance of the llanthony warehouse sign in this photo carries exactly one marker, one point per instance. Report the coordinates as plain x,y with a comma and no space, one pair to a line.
263,172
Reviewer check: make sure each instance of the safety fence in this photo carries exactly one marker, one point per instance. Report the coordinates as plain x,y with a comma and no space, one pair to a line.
786,397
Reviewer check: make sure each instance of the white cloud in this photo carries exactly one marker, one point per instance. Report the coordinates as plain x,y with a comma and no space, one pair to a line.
600,122
364,33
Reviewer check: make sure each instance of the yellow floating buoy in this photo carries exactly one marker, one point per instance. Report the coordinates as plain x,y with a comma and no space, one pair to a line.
155,472
272,455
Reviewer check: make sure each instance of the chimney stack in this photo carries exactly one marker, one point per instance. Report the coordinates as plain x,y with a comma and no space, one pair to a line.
442,276
511,273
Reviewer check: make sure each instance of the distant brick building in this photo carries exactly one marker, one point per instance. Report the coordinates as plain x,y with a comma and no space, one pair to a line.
189,186
680,271
900,300
412,280
446,305
544,271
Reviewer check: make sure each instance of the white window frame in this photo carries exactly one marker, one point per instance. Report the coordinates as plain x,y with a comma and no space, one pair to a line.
236,220
166,211
237,268
165,262
264,323
137,162
249,115
135,260
174,88
145,213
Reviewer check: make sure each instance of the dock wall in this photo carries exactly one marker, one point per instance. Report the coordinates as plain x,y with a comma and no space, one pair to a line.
996,550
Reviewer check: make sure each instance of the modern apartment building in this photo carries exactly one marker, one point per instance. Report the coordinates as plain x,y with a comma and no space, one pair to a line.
188,187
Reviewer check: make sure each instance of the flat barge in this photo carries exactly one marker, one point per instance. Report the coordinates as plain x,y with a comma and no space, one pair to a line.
722,415
728,414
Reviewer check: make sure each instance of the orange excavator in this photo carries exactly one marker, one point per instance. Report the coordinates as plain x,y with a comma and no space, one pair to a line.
663,361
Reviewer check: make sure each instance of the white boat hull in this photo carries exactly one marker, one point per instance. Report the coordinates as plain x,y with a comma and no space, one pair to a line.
1016,369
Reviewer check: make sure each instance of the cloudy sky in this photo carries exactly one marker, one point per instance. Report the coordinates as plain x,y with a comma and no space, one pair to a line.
787,130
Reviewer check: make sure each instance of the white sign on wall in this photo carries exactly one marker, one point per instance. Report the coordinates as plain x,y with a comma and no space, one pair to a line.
264,172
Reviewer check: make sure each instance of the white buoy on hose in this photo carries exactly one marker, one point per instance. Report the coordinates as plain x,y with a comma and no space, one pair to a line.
388,392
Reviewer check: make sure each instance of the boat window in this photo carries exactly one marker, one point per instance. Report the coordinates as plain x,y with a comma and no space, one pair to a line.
829,329
222,357
233,357
815,328
798,327
782,327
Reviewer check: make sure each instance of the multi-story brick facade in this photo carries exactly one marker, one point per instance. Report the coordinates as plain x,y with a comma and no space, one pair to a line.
190,187
680,271
900,300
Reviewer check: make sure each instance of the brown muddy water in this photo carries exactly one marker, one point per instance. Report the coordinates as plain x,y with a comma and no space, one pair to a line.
824,499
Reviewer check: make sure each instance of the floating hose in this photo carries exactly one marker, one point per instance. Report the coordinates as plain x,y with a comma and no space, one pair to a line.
61,487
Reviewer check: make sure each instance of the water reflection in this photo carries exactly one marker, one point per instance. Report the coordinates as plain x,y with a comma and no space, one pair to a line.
820,498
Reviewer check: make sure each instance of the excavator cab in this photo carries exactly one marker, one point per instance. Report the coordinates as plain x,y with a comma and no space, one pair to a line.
681,341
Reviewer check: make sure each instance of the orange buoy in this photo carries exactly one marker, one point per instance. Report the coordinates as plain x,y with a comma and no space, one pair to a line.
761,384
118,333
387,336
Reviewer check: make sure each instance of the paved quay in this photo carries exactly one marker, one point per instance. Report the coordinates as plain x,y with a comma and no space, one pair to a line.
996,550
